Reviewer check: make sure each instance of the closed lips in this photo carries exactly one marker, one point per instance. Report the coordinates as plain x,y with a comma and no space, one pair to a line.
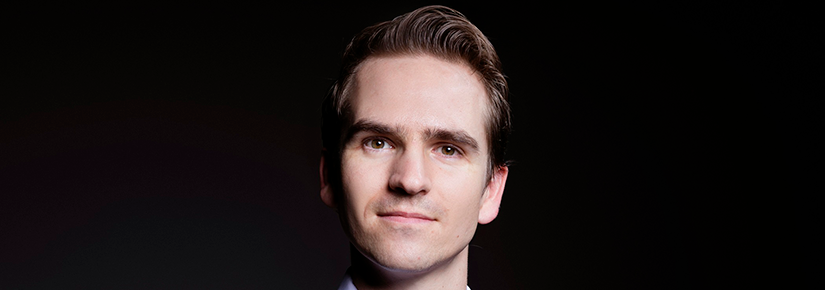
408,215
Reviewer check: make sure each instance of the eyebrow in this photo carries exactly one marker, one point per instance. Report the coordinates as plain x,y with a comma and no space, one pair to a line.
452,136
369,126
458,137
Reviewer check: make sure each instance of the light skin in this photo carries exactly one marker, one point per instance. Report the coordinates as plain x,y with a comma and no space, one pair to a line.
415,173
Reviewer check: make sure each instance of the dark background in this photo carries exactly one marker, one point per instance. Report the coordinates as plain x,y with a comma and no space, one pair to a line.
176,147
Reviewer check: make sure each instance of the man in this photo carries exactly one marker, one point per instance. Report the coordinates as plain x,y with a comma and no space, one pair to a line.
414,135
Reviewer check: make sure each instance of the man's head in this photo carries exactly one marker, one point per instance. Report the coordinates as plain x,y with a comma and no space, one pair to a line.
433,30
414,134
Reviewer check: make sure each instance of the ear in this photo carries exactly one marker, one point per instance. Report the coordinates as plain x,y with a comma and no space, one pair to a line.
491,199
327,196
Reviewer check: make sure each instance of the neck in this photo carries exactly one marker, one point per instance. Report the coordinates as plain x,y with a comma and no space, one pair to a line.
450,274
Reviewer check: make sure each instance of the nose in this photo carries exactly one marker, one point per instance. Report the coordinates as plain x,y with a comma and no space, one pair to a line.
410,174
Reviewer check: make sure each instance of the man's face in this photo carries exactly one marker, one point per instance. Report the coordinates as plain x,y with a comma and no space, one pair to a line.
414,171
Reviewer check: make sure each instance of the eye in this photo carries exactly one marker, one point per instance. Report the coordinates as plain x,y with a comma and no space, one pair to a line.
377,144
448,150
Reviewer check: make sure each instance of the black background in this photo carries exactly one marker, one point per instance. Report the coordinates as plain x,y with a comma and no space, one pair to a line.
176,146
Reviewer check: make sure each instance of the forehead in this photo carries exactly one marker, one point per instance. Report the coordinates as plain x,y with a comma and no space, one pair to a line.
420,92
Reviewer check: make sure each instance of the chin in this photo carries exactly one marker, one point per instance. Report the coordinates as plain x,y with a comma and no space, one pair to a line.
410,259
403,263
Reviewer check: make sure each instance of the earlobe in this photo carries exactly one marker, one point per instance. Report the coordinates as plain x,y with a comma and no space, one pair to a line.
492,198
327,195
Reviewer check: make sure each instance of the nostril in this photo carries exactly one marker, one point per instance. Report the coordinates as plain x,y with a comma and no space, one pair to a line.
408,184
409,174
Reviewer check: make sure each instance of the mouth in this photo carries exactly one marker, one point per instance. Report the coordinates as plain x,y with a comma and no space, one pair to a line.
405,217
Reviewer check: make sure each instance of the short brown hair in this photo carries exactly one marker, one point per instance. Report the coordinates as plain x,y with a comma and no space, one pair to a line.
433,30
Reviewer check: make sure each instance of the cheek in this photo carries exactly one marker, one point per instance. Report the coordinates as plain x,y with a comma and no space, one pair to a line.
361,182
462,189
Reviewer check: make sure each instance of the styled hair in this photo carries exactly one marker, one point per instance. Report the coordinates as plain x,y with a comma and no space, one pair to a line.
437,31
